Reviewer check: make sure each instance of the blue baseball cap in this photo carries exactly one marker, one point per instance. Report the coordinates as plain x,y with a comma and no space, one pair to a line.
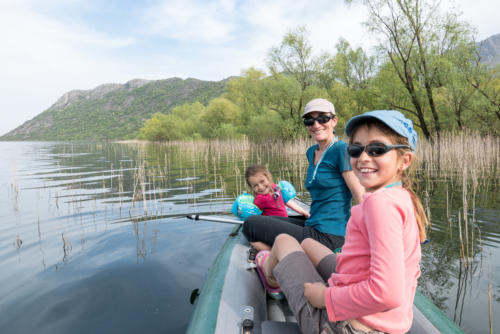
393,119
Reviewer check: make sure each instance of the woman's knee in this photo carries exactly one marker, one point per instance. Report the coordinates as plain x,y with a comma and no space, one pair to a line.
285,244
285,238
249,228
315,250
307,243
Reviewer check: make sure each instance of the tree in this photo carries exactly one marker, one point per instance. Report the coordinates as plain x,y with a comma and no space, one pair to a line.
183,122
456,95
347,76
416,36
486,81
162,127
248,93
220,112
293,58
353,68
267,126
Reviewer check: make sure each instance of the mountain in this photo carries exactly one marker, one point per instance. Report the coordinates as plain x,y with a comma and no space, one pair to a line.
113,111
490,50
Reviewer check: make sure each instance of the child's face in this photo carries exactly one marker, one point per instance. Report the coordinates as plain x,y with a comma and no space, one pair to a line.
260,184
377,172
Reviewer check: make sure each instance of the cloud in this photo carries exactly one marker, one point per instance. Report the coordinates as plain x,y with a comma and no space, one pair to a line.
205,21
325,21
42,58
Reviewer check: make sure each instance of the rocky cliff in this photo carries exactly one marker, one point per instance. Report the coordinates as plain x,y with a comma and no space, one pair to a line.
113,111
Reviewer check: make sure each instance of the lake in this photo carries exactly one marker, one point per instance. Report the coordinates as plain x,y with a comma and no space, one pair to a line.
94,239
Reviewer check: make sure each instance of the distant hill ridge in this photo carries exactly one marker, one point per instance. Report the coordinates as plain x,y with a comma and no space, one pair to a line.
113,111
98,92
490,50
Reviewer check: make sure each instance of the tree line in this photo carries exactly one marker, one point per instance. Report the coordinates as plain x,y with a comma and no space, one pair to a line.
426,64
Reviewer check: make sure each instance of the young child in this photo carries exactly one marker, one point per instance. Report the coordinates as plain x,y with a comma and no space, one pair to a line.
268,196
371,284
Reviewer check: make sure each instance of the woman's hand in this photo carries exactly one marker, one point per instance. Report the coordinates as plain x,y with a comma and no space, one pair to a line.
315,294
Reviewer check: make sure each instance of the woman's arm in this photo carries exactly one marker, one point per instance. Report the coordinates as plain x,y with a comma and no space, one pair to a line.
295,207
354,186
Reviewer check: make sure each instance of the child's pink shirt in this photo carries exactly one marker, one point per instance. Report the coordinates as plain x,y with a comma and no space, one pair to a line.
377,271
269,205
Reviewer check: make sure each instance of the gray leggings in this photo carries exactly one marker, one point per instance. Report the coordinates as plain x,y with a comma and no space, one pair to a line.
295,270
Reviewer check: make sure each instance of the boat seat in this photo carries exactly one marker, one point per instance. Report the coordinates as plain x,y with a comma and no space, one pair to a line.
278,327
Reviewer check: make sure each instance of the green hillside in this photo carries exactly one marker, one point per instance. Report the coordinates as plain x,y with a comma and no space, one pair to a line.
113,111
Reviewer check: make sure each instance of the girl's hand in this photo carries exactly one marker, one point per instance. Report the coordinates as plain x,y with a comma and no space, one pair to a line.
315,294
307,214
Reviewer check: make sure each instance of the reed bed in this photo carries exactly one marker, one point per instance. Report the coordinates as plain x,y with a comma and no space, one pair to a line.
455,154
463,161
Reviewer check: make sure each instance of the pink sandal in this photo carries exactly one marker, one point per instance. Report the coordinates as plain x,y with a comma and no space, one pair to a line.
260,258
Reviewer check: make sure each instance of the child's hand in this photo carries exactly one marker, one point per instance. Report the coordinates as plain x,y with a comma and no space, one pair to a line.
315,294
307,214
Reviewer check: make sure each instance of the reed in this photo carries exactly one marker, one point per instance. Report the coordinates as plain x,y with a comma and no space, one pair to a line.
489,308
14,189
67,247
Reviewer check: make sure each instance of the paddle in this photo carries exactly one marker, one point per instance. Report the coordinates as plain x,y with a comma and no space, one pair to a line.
215,219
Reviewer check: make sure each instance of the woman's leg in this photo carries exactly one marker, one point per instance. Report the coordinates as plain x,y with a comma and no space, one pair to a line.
322,257
264,229
315,250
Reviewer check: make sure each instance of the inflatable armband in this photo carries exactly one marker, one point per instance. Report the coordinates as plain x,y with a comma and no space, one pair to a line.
287,190
243,206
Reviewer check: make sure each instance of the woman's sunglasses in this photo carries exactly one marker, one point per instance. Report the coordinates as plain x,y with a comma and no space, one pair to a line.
373,150
322,119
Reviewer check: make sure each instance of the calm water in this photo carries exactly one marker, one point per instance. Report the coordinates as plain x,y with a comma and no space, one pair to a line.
93,237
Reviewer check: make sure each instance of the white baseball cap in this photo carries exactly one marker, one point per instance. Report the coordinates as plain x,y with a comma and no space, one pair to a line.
319,105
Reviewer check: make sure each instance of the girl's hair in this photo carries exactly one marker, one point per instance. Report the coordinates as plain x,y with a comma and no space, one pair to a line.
397,139
255,169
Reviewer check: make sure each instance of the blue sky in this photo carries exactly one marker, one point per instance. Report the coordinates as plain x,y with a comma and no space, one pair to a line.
50,47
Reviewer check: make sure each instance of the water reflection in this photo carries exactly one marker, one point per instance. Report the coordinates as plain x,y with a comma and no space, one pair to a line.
92,236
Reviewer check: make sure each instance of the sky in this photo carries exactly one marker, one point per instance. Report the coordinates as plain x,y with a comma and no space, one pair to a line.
49,47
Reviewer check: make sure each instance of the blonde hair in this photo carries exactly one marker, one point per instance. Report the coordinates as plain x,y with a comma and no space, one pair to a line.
255,169
397,139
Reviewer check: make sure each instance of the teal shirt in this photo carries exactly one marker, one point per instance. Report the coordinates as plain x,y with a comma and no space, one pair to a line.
331,199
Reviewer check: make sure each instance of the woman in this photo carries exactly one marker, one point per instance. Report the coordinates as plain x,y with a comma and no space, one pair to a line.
329,180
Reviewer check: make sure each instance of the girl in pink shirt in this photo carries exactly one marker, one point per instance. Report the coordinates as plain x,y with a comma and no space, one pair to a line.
268,196
370,286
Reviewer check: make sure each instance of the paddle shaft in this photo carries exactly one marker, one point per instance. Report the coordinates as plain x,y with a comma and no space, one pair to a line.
215,219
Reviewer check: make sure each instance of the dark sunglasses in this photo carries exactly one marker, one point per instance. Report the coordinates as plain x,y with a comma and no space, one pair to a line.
308,121
373,150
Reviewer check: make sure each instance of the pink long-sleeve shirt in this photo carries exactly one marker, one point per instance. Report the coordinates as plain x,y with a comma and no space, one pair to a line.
377,271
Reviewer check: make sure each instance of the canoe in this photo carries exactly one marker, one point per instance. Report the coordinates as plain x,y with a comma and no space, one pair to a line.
233,297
